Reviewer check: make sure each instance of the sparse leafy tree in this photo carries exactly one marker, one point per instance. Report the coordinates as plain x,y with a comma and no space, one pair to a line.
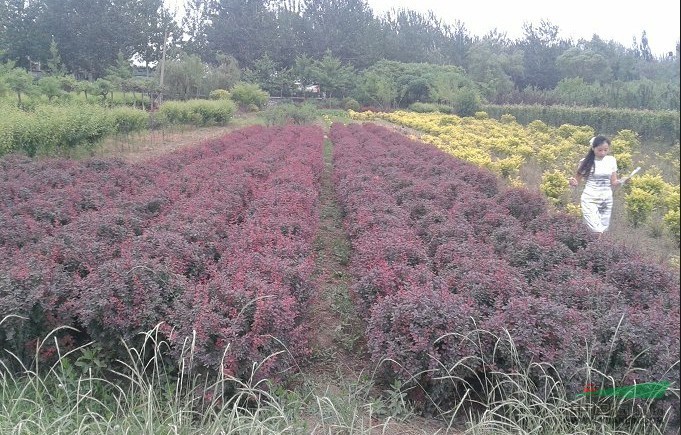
50,86
332,76
19,81
54,63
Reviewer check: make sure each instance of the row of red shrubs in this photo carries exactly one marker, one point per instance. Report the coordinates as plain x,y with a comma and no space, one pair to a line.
213,241
442,252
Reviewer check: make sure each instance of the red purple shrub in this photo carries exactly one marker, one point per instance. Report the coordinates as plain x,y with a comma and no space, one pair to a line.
542,331
489,281
637,345
644,283
522,204
598,257
565,228
420,333
112,248
526,271
575,288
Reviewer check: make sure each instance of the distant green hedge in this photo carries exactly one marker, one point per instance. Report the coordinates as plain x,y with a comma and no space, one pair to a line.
197,112
47,128
659,125
50,128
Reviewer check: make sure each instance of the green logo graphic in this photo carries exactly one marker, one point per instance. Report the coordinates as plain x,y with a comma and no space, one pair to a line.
648,390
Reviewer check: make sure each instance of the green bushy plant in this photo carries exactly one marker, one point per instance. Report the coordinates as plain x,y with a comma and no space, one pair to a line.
128,120
351,104
219,94
291,113
423,107
245,94
197,112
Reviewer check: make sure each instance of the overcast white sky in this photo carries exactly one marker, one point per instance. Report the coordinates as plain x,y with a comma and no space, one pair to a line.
610,19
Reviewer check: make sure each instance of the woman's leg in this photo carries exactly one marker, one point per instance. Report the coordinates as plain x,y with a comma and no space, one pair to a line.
605,211
591,213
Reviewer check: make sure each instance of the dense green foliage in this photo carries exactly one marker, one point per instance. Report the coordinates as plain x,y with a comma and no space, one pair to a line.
197,112
56,127
661,125
284,46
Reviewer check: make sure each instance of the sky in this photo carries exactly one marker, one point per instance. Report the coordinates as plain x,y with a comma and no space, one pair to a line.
610,19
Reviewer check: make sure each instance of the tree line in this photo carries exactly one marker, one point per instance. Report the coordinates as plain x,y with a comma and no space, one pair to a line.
341,45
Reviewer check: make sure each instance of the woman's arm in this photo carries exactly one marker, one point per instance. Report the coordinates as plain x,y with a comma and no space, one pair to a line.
577,178
614,181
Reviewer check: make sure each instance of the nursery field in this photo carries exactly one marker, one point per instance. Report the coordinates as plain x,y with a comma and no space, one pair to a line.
478,298
544,157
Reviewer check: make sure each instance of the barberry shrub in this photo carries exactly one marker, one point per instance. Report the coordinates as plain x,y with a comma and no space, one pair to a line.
551,297
113,249
419,334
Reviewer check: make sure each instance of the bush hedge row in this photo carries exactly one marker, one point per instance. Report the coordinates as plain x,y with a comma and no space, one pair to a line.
214,241
658,125
442,252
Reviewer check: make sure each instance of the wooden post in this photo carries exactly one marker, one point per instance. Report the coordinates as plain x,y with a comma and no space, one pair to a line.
163,65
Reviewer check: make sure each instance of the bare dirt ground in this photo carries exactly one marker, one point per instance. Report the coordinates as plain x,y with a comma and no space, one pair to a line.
141,146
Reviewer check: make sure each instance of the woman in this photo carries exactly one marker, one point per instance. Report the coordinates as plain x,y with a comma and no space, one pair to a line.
599,170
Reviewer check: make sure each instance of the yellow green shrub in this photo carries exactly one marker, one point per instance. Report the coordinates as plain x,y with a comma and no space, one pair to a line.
672,223
555,186
639,205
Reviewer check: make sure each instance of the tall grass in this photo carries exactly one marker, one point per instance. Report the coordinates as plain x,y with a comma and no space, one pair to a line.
535,400
82,393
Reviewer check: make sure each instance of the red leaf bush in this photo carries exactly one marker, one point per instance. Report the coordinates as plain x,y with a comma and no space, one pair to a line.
436,240
215,242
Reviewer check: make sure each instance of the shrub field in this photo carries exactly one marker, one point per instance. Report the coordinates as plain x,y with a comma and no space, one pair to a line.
442,252
460,278
214,241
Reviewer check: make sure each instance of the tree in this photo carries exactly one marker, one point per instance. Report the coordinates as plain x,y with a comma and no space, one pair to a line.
224,76
19,81
292,35
591,67
50,86
23,39
344,27
102,87
303,69
154,27
416,37
54,63
644,48
242,29
541,47
86,87
494,64
332,76
460,44
120,73
195,24
263,73
414,89
183,76
377,89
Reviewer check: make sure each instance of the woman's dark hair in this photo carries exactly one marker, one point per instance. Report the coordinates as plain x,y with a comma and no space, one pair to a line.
587,164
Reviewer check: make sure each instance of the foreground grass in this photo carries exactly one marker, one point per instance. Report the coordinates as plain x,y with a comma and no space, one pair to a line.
80,393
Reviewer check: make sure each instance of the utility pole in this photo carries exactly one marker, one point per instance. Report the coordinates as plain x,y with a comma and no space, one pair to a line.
163,66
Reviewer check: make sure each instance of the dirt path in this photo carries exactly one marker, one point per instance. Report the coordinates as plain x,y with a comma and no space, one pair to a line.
341,365
337,343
